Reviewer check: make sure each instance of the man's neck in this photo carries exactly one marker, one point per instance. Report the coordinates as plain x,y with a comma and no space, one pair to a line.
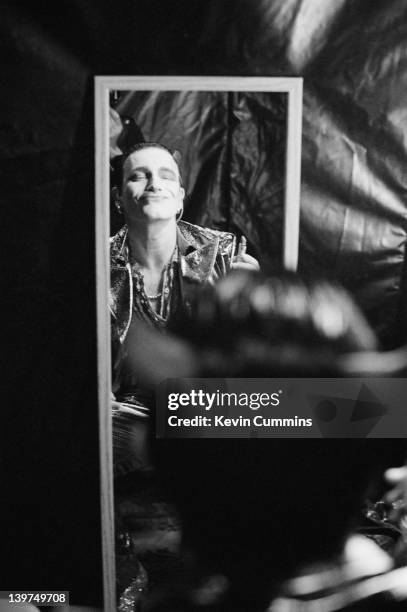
152,245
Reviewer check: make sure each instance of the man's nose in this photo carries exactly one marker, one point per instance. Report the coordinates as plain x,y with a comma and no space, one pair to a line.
153,183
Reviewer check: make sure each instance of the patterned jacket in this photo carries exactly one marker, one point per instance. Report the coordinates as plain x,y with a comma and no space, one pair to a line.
205,256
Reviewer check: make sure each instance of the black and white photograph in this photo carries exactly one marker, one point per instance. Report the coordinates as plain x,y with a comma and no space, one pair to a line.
204,281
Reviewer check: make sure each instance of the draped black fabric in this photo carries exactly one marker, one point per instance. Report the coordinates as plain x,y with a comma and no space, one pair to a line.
232,147
352,55
352,58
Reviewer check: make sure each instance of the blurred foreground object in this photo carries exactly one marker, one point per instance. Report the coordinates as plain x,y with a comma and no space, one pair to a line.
250,324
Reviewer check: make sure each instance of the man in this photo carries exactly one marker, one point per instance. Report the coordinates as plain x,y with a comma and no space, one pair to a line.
157,264
157,261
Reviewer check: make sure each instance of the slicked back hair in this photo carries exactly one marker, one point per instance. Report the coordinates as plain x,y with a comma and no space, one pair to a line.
117,164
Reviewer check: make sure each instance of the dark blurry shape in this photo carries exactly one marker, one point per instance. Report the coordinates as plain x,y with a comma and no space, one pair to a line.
259,512
273,520
241,325
265,515
252,325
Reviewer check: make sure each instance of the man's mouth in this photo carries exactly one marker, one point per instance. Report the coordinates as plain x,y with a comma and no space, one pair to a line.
152,196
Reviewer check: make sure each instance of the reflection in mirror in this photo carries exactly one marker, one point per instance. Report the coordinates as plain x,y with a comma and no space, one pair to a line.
204,179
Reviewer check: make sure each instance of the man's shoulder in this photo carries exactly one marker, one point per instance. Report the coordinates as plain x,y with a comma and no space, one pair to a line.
119,236
117,243
199,236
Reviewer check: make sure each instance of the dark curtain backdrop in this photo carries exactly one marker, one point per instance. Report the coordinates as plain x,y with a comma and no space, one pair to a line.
232,147
353,57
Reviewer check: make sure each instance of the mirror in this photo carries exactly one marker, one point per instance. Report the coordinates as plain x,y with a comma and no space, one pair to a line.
229,161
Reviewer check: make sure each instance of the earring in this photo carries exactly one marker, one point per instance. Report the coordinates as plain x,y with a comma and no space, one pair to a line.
118,207
179,214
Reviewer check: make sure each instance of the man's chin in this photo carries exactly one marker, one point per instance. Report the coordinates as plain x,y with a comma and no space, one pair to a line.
152,216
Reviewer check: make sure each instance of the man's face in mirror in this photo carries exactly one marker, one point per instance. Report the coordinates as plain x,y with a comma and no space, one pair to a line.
151,188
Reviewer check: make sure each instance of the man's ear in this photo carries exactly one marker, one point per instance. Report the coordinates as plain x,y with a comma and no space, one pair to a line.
182,193
115,192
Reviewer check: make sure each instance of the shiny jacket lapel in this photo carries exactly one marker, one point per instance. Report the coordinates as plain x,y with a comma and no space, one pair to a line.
204,256
121,286
197,253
